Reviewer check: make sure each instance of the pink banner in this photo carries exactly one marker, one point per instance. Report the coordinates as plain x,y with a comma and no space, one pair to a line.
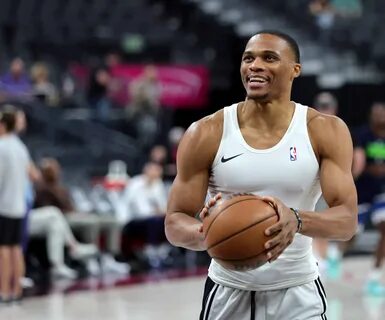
180,86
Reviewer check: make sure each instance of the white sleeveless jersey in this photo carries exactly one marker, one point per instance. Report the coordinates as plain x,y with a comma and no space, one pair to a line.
289,171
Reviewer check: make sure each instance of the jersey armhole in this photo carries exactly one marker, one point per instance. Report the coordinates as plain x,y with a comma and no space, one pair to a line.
216,160
308,140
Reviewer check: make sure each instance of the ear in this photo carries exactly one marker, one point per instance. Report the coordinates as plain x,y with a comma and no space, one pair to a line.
296,70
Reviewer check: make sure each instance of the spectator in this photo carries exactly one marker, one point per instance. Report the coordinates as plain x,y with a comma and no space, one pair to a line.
174,137
158,154
143,109
14,169
15,84
369,172
34,177
327,103
97,95
324,16
53,193
145,202
46,218
43,89
112,59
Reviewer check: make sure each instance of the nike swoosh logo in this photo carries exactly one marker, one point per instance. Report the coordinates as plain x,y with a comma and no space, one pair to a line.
223,160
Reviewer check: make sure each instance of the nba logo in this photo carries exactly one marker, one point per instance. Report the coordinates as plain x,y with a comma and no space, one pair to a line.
293,153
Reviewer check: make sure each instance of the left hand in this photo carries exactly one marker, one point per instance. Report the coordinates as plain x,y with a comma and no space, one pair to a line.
284,230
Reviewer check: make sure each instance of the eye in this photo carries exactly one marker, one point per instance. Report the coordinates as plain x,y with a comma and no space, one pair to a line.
270,58
247,59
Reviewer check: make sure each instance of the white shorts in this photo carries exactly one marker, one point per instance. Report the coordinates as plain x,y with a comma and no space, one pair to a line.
304,302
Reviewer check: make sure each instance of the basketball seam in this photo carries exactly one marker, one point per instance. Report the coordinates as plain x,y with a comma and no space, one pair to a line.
238,232
215,218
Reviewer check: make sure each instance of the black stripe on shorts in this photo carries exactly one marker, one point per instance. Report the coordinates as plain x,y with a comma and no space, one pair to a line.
321,292
208,297
252,305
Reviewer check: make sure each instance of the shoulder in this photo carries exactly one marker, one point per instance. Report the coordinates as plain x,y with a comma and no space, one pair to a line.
22,148
317,120
136,180
207,127
327,132
202,138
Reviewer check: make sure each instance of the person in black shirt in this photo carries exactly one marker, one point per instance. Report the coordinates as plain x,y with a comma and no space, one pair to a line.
369,172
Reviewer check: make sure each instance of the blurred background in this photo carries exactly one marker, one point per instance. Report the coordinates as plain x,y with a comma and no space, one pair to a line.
107,89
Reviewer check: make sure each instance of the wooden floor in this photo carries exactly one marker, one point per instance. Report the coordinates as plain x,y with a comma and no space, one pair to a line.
180,299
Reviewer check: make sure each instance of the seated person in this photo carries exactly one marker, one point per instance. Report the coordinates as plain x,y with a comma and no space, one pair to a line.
52,193
145,203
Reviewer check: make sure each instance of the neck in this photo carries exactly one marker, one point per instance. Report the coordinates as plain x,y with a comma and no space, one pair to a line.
270,114
4,133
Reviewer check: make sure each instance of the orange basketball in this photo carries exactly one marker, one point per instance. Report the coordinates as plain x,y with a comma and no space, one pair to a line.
234,232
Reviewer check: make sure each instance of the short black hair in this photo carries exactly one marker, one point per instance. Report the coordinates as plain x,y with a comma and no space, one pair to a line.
290,41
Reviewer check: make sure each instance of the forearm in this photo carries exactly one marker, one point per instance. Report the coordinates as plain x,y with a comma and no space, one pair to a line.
336,223
182,230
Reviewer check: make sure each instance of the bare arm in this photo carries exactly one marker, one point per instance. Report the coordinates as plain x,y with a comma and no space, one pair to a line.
33,172
195,155
333,144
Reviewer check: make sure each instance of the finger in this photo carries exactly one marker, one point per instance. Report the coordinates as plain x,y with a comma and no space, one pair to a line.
203,213
210,203
276,256
218,196
277,227
268,199
272,201
272,243
275,252
200,229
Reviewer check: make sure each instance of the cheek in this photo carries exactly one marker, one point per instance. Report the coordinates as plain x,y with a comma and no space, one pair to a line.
242,69
284,76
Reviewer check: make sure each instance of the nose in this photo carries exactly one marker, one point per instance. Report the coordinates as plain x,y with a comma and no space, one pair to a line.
257,65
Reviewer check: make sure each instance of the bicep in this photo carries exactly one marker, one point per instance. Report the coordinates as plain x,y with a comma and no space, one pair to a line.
188,194
336,169
195,155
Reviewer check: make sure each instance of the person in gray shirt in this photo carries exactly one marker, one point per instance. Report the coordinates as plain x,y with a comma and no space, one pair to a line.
14,174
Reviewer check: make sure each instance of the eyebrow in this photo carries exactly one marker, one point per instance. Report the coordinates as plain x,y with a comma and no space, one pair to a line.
263,51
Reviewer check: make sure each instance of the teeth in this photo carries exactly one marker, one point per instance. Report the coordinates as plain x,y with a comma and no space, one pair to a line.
257,79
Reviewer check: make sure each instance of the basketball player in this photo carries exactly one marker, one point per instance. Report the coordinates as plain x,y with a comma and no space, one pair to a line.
285,152
14,171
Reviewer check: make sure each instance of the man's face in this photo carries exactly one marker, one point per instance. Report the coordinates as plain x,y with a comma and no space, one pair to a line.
377,116
328,109
153,171
17,67
268,67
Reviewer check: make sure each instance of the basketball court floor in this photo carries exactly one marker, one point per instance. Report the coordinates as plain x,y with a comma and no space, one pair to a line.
178,298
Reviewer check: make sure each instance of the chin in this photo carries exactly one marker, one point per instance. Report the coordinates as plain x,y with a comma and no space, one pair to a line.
258,96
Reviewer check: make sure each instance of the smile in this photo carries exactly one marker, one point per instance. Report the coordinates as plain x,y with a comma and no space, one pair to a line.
257,79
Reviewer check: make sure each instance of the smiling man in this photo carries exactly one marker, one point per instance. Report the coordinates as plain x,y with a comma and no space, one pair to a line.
285,152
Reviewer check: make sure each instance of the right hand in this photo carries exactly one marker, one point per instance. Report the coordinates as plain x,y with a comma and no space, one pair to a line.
206,209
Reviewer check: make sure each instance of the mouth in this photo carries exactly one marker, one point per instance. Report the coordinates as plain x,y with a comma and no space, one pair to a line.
257,79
